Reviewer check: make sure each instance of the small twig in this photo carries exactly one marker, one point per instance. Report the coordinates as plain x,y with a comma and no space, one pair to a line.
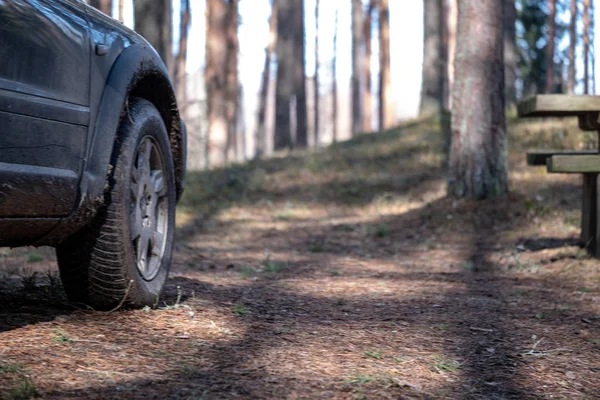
124,297
474,328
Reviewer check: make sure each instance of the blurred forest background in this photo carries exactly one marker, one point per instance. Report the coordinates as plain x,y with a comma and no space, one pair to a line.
325,71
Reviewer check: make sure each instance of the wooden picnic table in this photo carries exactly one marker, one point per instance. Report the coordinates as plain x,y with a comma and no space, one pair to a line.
586,163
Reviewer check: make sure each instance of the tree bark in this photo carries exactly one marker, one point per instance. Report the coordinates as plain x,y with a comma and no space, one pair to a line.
368,92
215,76
452,19
478,157
572,46
103,5
550,76
357,40
334,99
181,60
435,67
285,74
593,45
386,105
261,127
300,76
121,11
233,85
316,113
511,52
586,46
153,21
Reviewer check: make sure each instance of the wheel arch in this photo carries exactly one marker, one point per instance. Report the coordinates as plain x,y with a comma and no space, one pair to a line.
137,72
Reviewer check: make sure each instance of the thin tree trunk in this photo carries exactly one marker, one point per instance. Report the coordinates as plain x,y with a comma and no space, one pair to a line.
572,46
334,98
181,60
593,44
550,76
586,46
368,93
386,105
300,76
478,157
452,19
215,77
316,80
285,74
153,20
357,40
121,11
261,127
233,86
103,5
511,53
433,99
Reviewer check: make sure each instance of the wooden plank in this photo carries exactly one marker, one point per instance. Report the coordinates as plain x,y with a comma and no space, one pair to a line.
558,105
574,164
589,213
539,157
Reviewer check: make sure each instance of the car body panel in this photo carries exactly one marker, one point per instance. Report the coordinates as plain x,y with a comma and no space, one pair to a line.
44,110
69,140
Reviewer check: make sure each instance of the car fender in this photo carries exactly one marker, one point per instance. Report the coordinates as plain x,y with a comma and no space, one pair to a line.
136,63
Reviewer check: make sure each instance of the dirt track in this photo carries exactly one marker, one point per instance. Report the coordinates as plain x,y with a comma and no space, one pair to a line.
339,275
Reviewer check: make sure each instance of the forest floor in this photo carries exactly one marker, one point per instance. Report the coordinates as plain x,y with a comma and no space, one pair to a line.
338,274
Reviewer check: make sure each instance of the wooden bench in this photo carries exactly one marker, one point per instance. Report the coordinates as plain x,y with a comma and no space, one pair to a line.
587,163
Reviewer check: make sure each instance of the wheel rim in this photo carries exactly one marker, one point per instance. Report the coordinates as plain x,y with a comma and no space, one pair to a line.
149,208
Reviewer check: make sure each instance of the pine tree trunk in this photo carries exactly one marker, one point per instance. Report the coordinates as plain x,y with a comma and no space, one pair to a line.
334,99
357,40
452,19
285,74
261,126
316,113
572,46
478,157
180,74
433,99
550,75
593,44
386,104
103,5
233,86
368,93
300,76
586,46
511,52
121,11
215,77
153,20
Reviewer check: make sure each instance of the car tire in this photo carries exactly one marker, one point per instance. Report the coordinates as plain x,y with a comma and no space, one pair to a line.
123,256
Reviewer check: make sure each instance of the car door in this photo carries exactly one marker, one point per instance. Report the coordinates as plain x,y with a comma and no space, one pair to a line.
44,105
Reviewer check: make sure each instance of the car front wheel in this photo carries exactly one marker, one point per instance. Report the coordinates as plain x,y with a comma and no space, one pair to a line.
124,255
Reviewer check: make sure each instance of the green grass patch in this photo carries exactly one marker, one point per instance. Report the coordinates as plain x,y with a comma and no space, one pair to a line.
240,310
246,271
447,365
33,257
373,354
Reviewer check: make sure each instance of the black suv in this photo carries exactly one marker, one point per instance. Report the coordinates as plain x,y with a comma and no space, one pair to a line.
92,149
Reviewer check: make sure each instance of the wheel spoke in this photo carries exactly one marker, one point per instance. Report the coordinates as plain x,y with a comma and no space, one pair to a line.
157,241
158,183
142,251
136,224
